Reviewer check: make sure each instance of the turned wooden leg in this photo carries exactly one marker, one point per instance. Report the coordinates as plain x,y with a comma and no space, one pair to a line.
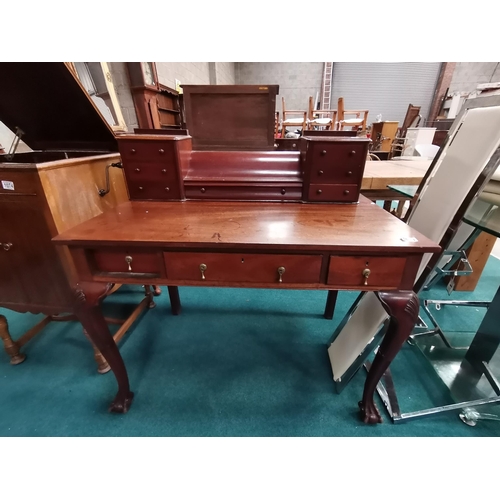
402,308
331,300
149,292
11,347
175,300
88,297
102,364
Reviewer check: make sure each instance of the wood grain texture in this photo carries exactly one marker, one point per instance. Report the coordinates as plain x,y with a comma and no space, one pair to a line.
228,117
359,227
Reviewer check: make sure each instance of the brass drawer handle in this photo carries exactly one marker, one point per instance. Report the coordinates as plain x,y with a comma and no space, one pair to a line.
203,268
128,260
366,274
281,272
7,246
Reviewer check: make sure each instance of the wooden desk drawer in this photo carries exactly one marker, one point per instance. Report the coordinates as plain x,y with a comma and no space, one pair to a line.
385,272
147,151
242,268
337,174
333,192
137,171
349,155
114,260
150,189
218,192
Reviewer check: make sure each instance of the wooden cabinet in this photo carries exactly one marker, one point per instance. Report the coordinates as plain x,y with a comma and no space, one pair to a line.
157,106
48,198
49,190
333,168
383,135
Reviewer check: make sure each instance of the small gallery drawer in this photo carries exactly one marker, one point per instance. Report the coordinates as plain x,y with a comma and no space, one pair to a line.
147,151
384,272
150,189
18,182
337,174
156,172
333,192
262,193
125,261
242,268
335,154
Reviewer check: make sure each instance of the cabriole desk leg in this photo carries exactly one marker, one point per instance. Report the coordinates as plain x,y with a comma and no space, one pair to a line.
402,308
88,297
11,347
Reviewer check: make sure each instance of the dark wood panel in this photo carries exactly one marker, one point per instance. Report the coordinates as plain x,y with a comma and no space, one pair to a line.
31,271
333,192
231,116
242,267
116,261
228,191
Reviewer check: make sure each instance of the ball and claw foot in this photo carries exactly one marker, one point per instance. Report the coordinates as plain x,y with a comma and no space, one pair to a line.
121,404
370,414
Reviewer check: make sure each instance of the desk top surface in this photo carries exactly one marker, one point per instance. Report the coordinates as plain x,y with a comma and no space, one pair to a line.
262,225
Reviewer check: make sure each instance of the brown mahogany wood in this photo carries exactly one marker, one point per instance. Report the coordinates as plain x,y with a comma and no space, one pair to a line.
402,308
225,117
333,168
363,227
245,244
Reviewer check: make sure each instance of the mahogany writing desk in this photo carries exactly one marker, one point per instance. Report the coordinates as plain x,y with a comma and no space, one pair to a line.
248,244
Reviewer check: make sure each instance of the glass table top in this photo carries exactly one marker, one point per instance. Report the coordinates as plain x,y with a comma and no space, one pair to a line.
484,214
406,190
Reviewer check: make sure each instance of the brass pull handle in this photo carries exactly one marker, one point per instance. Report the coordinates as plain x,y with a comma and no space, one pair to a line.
128,260
366,274
281,272
203,268
7,246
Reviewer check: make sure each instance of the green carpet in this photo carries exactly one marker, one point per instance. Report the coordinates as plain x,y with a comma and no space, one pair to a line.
236,362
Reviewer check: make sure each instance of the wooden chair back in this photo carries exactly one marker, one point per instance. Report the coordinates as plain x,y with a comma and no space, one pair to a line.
330,113
341,112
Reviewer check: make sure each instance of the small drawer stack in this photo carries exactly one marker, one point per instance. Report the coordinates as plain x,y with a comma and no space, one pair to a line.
153,165
333,168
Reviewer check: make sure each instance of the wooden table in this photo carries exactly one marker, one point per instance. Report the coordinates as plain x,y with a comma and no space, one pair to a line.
248,244
379,174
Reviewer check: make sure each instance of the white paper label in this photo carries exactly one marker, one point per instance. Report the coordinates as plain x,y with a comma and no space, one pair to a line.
8,185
